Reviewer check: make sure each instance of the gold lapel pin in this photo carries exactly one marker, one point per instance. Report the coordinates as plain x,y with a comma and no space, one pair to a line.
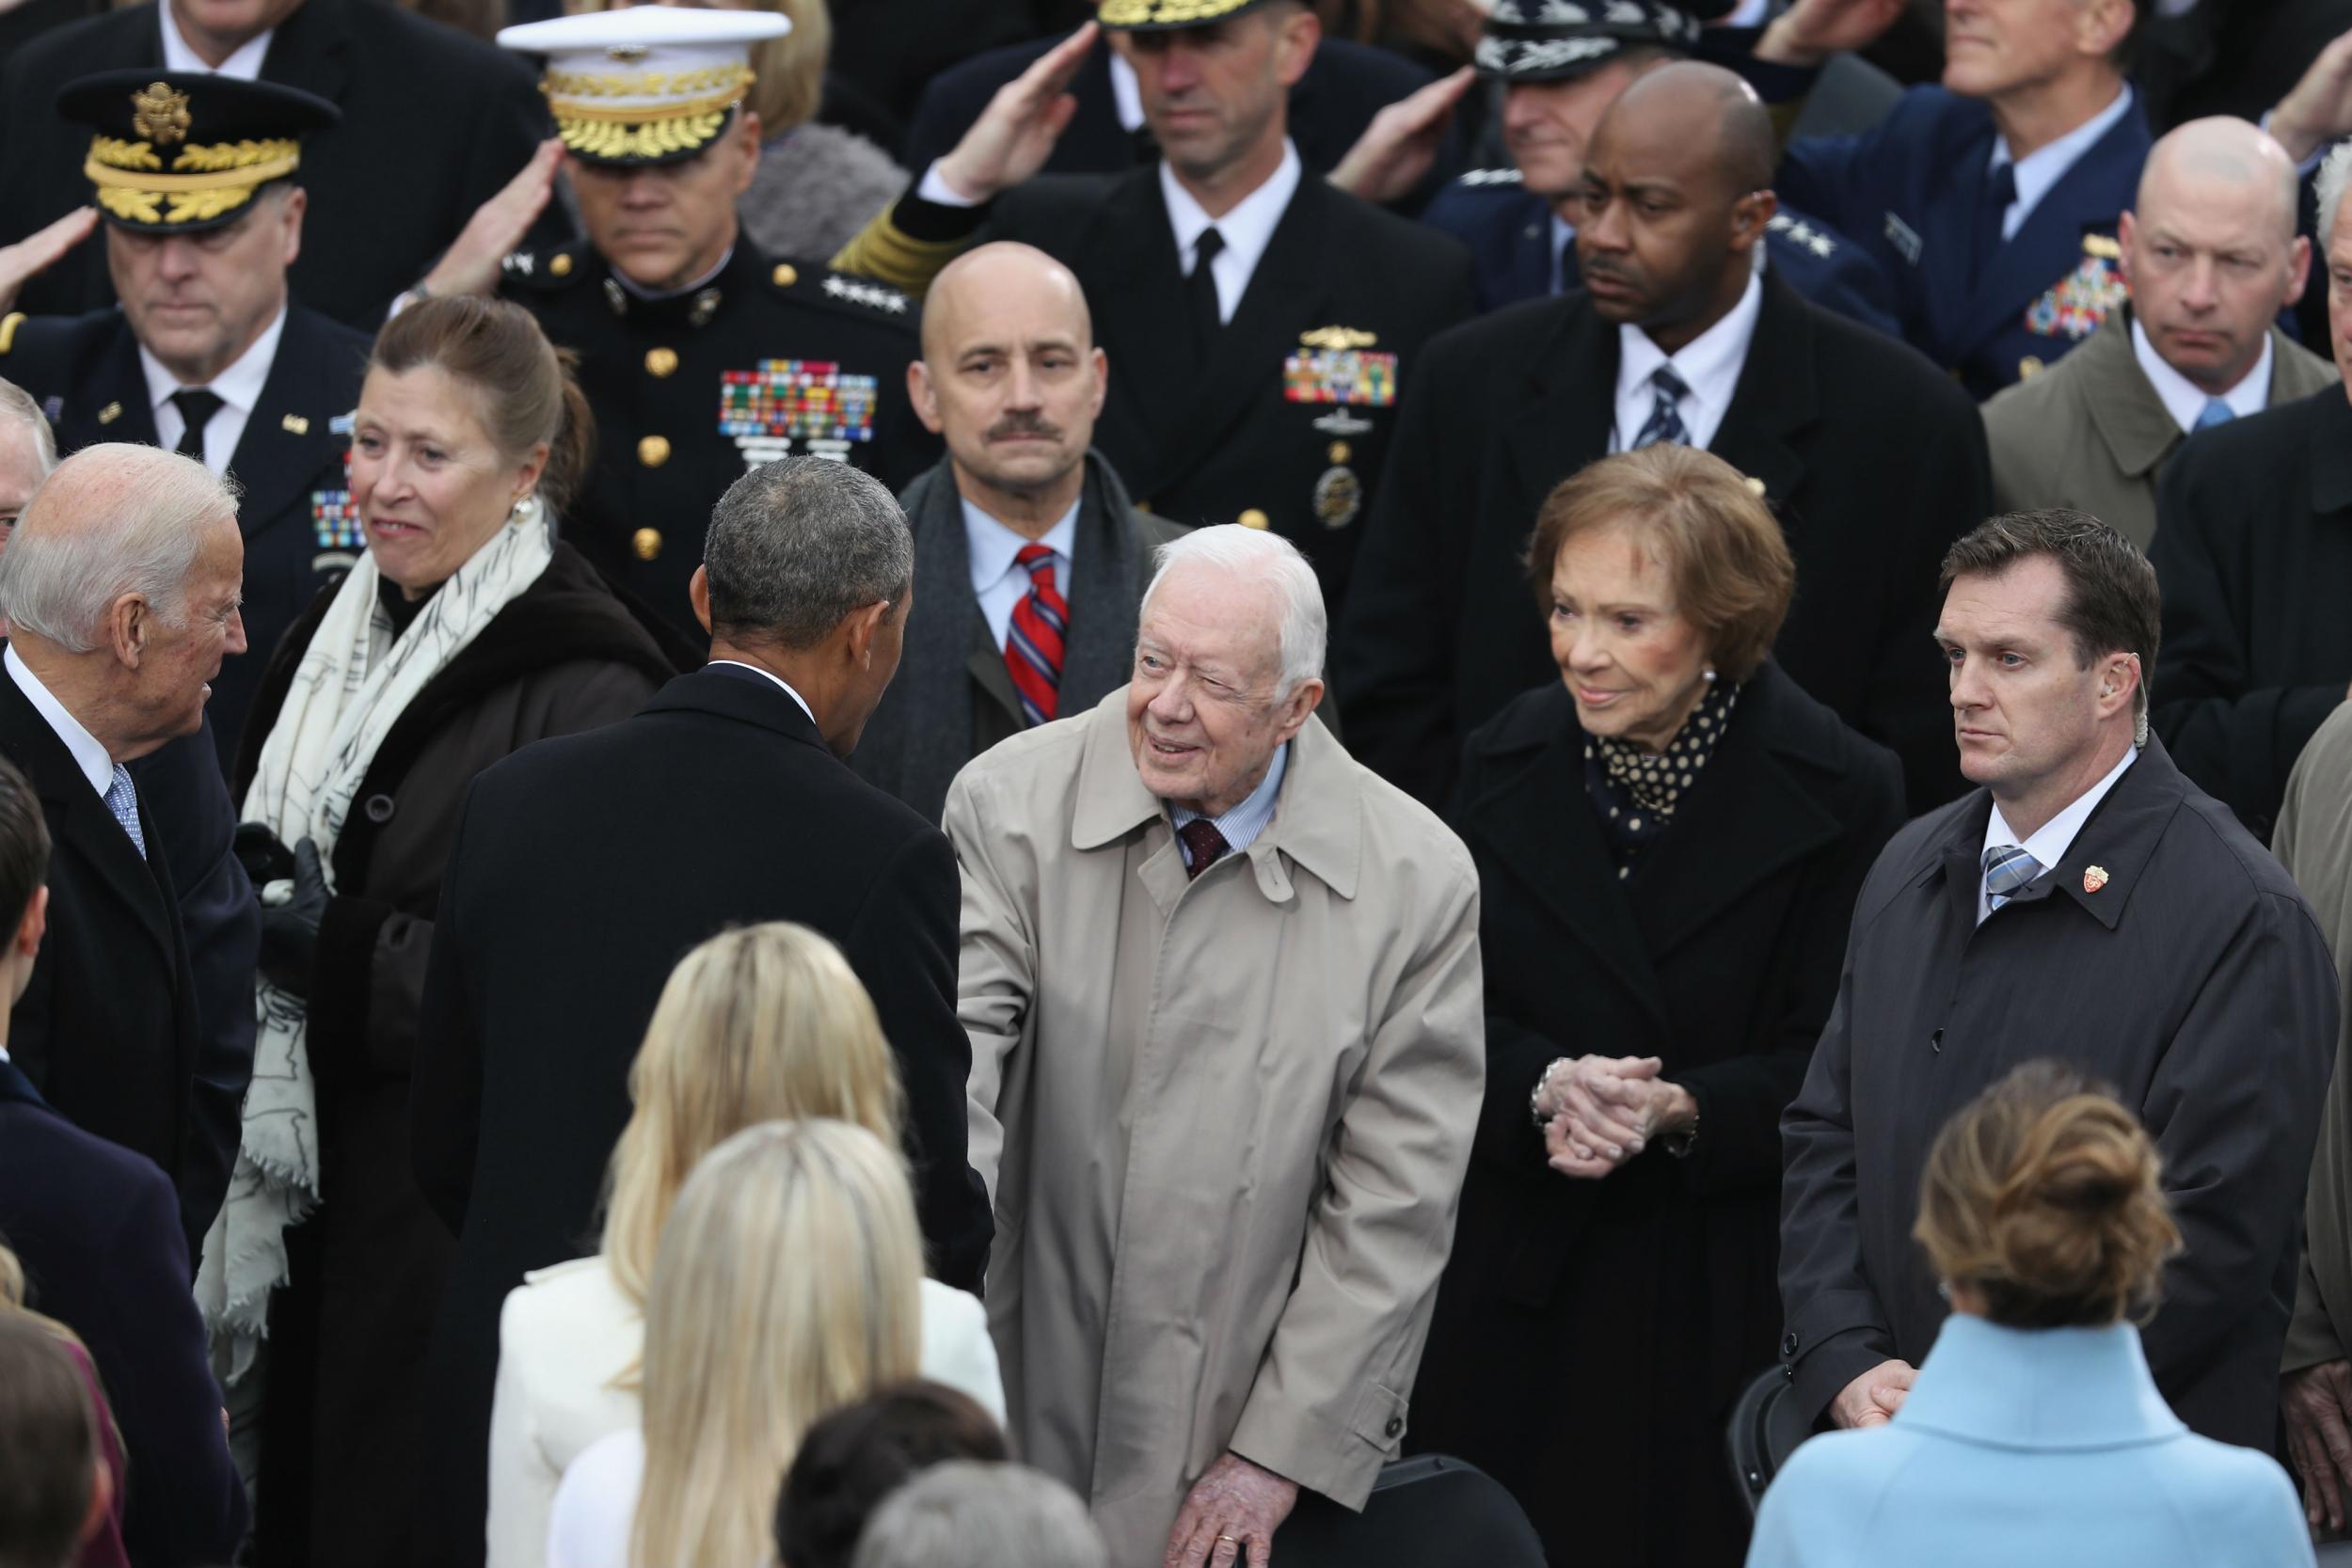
109,413
2094,877
294,424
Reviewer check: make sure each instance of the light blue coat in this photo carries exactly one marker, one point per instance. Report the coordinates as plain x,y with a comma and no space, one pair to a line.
2030,1447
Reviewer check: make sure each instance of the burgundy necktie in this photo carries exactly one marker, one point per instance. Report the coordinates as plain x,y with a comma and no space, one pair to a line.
1204,843
1033,643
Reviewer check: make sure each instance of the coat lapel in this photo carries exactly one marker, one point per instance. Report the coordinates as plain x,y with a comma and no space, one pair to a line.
1775,397
1130,238
310,50
1110,568
78,818
2119,839
2331,449
290,438
1564,418
2125,410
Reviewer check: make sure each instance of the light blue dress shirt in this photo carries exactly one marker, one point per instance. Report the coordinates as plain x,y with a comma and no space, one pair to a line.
1240,826
2030,1447
996,583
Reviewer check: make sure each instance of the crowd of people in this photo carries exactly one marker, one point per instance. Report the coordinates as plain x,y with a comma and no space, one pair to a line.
969,782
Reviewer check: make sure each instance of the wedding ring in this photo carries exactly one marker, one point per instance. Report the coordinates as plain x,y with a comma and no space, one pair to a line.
1234,1539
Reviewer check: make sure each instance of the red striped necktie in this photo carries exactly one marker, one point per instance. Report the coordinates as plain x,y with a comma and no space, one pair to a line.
1033,644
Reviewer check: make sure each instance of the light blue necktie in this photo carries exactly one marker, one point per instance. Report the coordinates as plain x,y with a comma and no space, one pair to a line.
2215,412
1665,418
2008,871
124,801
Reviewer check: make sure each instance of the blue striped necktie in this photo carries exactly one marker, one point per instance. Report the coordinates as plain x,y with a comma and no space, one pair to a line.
122,799
1665,417
2008,871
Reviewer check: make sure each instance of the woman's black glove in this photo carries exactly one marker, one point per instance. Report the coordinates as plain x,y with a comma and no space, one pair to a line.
290,931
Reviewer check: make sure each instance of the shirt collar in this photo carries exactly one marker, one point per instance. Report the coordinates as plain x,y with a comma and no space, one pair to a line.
2183,398
2049,844
89,753
2044,167
778,679
239,385
990,546
244,64
1240,826
1709,364
655,296
1248,229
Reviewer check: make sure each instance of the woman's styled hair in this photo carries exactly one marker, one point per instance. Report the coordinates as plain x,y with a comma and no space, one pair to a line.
762,1023
527,393
788,1284
1693,513
2044,1195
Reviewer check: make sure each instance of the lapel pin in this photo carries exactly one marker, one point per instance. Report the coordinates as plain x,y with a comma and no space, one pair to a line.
294,424
109,413
2094,877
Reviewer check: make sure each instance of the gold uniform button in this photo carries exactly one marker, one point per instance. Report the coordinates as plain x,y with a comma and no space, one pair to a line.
1340,452
559,264
654,451
2029,366
660,361
786,275
646,542
1252,518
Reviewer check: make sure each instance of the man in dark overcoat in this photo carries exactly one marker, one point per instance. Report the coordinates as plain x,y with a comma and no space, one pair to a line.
2085,903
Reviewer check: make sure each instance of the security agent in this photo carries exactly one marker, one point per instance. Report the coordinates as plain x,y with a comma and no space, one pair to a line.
194,176
1560,66
699,357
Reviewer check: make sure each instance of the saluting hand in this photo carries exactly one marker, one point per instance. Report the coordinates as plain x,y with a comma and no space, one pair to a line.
1810,31
1016,132
35,251
1235,1507
2318,109
471,265
1400,144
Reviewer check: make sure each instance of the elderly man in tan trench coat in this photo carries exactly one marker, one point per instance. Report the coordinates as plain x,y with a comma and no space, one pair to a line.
1223,991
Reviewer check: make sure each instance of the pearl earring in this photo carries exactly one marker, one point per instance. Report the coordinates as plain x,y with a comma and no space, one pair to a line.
1708,676
520,507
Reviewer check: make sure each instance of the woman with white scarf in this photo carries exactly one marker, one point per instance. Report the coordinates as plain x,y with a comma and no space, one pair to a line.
466,631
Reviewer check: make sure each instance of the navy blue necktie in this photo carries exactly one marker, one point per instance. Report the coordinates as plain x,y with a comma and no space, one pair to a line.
1992,205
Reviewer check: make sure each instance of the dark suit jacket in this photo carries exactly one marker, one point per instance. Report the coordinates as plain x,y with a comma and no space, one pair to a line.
1213,446
1833,418
108,1030
433,124
584,869
2253,530
2195,982
84,370
1651,1291
98,1230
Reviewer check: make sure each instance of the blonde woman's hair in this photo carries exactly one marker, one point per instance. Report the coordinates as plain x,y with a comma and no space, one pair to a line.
762,1023
2045,1195
790,71
787,1285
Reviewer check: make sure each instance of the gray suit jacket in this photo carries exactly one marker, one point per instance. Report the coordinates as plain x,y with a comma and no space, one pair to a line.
2090,433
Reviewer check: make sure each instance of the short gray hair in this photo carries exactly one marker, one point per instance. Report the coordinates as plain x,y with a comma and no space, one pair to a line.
797,545
978,1515
110,520
17,404
2335,172
1257,556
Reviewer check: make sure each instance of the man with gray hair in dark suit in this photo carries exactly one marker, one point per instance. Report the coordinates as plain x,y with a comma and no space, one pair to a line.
1024,535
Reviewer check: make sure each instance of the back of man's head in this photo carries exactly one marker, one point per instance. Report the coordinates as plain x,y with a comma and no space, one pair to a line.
110,520
858,1455
28,449
796,546
23,846
977,1516
48,1446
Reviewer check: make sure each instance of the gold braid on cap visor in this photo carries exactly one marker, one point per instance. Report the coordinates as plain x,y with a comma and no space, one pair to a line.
614,131
1163,13
218,179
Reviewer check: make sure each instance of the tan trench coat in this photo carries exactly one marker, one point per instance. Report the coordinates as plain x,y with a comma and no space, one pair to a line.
1224,1122
2314,842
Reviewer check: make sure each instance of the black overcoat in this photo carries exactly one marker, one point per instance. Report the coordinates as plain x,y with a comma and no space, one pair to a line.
2253,546
584,869
2190,978
1648,1293
1874,461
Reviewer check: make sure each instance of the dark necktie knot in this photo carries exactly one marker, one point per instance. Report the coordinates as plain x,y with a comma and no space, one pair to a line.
1203,844
197,407
1207,249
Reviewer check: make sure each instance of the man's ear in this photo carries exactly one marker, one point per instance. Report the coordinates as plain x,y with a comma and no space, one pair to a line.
1752,218
127,624
2120,682
747,133
1294,51
864,625
35,924
2298,269
2126,237
698,595
921,393
1297,708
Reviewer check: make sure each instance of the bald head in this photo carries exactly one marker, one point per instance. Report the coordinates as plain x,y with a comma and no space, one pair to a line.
1672,103
2210,248
1011,379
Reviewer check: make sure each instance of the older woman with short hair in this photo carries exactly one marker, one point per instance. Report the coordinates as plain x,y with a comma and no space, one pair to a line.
1669,842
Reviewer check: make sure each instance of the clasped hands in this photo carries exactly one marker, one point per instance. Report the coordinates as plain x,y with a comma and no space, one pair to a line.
1601,1111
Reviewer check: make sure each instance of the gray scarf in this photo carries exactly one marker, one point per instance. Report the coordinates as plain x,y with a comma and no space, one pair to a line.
921,735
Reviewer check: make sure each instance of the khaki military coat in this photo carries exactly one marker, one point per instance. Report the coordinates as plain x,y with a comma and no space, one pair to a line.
2314,840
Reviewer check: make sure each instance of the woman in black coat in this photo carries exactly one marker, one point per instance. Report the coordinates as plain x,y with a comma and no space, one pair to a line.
1669,844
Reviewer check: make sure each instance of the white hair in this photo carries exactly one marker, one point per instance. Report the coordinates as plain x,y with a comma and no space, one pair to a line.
2335,172
17,404
979,1515
110,520
1258,556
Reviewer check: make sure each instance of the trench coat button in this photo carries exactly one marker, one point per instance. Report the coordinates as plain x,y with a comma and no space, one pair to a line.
379,809
1396,1425
1789,1343
1935,1042
1252,518
654,451
660,361
646,542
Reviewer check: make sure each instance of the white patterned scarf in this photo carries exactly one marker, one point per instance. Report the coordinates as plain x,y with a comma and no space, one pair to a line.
353,683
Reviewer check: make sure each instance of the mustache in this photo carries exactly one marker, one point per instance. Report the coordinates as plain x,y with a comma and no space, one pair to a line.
1024,424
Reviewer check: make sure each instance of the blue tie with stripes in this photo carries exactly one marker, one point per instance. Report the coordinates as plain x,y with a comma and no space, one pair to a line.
2008,871
1665,418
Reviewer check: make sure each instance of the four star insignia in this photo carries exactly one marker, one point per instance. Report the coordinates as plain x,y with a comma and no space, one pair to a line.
1803,234
873,294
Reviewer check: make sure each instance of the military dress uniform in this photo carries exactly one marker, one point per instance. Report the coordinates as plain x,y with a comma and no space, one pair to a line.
1918,193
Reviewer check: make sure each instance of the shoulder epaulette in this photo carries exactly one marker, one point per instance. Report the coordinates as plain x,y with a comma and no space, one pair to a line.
1798,231
1477,177
862,295
552,270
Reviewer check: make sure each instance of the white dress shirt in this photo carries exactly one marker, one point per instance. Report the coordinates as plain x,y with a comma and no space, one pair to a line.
89,754
1247,230
1240,826
244,64
239,389
1709,365
2183,398
778,679
1126,94
2044,167
997,582
2056,836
